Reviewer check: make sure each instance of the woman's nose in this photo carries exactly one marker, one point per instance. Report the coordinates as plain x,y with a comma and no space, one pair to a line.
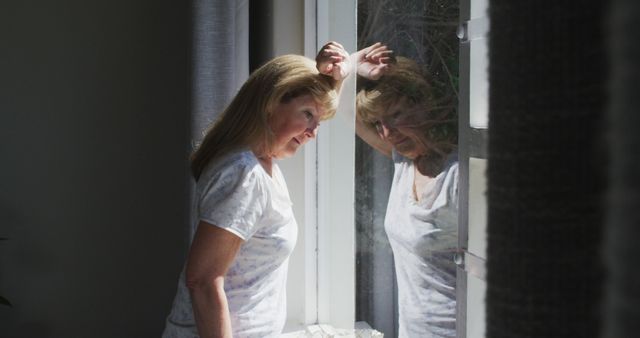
312,130
385,130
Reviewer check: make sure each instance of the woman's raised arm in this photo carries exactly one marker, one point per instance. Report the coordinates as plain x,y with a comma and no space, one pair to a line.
371,63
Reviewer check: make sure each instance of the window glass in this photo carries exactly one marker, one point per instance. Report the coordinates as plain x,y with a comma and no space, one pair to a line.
423,32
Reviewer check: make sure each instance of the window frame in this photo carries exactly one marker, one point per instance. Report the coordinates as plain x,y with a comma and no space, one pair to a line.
473,141
326,214
336,21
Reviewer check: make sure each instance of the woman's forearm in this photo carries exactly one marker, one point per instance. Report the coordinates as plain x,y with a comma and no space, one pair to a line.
211,310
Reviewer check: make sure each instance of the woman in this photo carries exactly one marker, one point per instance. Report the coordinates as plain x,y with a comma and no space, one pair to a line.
396,115
234,280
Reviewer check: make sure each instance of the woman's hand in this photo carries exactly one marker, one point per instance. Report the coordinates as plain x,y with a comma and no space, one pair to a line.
374,61
333,60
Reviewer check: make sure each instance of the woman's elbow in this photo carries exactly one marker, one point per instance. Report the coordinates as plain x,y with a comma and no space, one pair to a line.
198,281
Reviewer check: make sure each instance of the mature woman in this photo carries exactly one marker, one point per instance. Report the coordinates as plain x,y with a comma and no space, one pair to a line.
396,115
233,283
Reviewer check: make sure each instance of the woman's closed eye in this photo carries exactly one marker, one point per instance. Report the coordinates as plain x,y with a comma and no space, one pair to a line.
378,125
308,115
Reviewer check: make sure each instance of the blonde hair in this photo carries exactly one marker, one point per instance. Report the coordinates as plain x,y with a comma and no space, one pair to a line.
244,123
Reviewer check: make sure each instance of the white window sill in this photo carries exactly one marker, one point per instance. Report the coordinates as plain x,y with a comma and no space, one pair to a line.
361,330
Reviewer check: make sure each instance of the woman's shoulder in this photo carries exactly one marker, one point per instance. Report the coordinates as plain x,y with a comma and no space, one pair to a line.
240,163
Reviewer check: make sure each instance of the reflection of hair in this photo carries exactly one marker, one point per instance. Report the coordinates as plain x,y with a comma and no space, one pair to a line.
403,80
244,123
435,129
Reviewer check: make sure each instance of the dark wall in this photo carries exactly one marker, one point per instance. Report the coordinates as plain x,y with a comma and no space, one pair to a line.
94,113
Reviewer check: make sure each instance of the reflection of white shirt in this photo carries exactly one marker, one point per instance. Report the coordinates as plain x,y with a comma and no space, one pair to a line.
236,194
423,237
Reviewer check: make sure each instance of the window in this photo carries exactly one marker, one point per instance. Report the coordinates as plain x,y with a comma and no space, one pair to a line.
329,280
425,33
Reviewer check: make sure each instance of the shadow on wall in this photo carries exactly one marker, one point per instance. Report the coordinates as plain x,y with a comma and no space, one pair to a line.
93,140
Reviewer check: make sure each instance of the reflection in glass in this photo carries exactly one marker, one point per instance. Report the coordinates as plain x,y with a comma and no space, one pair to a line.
412,110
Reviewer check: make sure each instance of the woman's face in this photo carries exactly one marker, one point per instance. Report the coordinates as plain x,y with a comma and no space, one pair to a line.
293,124
399,126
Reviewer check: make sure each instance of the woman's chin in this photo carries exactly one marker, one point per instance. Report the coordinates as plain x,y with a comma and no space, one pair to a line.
408,153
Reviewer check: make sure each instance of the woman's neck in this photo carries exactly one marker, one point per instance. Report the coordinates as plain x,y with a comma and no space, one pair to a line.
421,183
266,161
267,164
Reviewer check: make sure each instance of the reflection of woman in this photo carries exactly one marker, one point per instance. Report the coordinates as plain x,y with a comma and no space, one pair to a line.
396,116
234,279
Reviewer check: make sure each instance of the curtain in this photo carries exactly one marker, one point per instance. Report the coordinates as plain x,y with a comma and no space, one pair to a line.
547,164
220,43
220,59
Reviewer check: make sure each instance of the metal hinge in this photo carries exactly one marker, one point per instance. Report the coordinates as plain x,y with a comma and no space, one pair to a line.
473,29
472,264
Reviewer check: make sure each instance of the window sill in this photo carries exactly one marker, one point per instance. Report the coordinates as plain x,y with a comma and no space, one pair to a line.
360,330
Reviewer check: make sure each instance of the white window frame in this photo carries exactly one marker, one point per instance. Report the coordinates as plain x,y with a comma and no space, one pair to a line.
473,139
336,20
321,286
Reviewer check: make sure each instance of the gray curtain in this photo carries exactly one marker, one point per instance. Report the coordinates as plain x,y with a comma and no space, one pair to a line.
219,41
215,63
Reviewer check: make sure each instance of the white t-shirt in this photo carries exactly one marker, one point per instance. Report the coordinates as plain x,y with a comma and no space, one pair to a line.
423,237
236,194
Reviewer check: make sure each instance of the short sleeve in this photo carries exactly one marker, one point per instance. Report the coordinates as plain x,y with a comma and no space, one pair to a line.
233,198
